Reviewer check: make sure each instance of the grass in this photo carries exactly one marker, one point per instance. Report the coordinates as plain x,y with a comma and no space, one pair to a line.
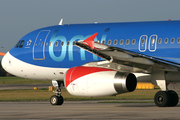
18,80
44,95
24,95
136,95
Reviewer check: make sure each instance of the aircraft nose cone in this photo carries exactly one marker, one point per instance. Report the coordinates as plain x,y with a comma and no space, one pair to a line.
5,61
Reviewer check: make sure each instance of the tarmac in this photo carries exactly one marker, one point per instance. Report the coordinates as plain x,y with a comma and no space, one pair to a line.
87,110
83,109
23,86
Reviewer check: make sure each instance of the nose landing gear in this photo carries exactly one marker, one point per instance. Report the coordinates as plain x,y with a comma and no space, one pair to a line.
57,99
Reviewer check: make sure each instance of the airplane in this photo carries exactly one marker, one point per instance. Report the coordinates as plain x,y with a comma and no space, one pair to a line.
101,59
2,54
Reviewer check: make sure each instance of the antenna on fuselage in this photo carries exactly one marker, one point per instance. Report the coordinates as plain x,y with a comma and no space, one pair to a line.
60,22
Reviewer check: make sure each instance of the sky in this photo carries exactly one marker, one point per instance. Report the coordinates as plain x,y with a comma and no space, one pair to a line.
19,17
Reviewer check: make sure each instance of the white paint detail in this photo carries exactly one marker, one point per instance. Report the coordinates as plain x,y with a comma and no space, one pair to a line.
61,22
145,44
174,86
103,62
26,70
43,46
95,84
158,78
161,84
150,44
54,83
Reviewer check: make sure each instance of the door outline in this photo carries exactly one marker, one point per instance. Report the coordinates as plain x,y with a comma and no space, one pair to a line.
41,53
152,47
142,47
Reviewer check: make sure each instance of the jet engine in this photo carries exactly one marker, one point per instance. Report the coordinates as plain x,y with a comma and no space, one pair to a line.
94,81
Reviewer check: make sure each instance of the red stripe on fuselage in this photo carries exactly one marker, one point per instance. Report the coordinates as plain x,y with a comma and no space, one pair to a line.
77,72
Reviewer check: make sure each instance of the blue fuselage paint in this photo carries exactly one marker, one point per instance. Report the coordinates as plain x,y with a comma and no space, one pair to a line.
53,46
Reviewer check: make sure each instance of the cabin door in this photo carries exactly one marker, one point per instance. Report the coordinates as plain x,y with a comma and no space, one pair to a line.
39,45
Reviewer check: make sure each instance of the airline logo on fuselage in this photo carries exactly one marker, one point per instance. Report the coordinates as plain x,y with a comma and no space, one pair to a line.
69,49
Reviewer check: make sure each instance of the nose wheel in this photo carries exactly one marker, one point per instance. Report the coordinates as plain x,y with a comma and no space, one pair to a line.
57,99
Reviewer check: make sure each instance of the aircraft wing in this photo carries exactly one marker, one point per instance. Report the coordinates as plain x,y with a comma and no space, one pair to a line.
125,57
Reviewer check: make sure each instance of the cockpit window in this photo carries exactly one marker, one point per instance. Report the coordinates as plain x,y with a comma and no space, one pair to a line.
21,44
17,45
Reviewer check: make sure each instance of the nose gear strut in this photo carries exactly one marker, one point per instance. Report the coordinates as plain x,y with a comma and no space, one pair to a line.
57,99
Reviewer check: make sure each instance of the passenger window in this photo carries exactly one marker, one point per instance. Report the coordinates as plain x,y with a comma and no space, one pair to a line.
127,42
109,42
142,41
103,42
178,40
17,45
50,44
21,44
115,42
74,42
160,40
172,40
166,41
62,43
56,43
153,41
121,42
133,41
68,42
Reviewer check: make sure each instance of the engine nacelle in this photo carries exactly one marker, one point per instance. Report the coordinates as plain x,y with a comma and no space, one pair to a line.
94,81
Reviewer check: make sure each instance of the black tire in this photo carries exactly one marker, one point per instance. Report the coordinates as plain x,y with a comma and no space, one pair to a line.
54,100
174,98
61,100
162,99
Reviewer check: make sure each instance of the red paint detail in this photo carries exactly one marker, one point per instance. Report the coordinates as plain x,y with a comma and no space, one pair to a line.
90,40
167,84
77,72
2,54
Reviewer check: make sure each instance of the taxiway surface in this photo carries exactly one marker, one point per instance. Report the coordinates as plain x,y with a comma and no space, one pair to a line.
87,110
22,86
